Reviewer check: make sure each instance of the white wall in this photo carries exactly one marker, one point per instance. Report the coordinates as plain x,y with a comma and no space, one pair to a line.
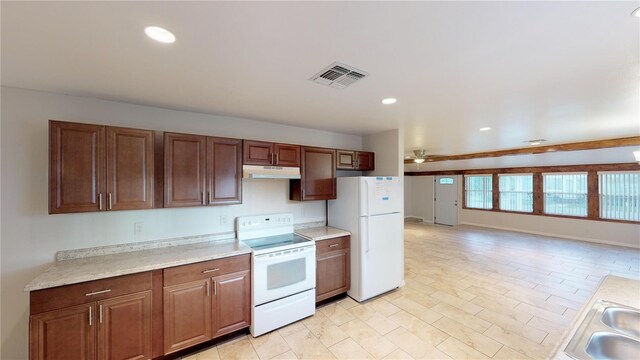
419,192
30,237
576,229
388,146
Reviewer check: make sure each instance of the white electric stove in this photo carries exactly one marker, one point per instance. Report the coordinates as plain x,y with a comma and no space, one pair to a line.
283,271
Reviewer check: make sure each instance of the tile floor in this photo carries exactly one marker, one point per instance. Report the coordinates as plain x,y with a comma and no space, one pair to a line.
471,293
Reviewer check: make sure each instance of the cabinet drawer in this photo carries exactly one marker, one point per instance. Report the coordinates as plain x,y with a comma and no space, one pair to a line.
206,269
323,246
82,293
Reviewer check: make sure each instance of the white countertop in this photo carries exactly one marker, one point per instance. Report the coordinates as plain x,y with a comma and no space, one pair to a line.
83,269
321,233
612,288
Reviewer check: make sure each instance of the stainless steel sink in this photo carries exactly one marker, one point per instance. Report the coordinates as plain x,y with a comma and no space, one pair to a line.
623,320
605,345
609,331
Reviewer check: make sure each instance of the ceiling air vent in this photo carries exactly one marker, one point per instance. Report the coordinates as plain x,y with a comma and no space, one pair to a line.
338,75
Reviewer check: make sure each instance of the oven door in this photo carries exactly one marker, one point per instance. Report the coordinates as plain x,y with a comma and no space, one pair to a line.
283,273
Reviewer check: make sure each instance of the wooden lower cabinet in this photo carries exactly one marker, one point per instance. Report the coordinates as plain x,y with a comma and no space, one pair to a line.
116,329
187,314
68,333
124,327
217,303
231,305
333,275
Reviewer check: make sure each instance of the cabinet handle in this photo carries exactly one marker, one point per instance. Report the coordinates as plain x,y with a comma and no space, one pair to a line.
277,160
210,270
109,198
97,292
209,197
99,201
203,199
208,286
90,315
333,245
100,313
215,288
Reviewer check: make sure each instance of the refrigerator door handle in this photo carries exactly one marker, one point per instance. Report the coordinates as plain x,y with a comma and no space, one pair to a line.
366,239
366,185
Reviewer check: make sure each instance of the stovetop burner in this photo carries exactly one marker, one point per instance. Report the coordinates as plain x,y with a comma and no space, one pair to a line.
268,242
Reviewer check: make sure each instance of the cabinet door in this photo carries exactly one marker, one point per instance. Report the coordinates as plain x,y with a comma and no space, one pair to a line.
346,160
332,274
187,314
76,167
184,170
129,169
124,327
68,333
258,153
317,175
365,161
224,171
231,302
287,155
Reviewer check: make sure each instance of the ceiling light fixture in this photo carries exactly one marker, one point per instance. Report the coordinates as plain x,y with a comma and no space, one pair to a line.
636,154
485,128
159,34
636,12
533,143
389,101
418,161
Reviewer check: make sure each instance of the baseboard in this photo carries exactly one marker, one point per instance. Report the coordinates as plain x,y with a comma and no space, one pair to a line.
419,218
578,238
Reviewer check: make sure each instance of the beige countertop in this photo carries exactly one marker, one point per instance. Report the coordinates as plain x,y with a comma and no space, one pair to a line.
612,288
321,233
72,271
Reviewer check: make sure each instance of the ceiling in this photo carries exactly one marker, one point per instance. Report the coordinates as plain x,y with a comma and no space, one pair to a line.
562,71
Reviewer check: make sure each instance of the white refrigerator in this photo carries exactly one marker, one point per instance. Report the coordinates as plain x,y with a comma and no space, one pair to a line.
370,207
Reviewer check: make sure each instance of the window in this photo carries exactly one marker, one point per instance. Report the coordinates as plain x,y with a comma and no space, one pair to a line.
478,191
446,181
516,192
565,194
619,195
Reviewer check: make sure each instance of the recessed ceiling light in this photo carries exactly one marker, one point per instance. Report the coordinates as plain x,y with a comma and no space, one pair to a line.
389,101
159,34
636,12
485,128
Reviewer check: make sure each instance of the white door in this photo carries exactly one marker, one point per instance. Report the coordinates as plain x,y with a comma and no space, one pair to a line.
446,199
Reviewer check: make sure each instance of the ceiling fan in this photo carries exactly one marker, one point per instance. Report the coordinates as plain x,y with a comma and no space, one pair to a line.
419,156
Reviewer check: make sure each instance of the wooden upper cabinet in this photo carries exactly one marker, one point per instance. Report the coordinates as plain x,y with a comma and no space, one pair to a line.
258,153
266,153
355,160
317,175
63,334
287,155
365,161
76,167
124,327
224,171
130,177
184,169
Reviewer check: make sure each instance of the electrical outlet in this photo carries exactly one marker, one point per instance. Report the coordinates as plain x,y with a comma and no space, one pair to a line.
223,220
138,228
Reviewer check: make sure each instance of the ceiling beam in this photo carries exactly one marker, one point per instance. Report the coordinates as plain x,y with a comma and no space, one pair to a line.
584,145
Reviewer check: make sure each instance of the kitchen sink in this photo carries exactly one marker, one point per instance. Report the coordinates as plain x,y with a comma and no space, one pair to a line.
605,345
609,331
624,320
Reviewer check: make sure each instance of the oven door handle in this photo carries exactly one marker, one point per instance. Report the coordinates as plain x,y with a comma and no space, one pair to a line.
264,258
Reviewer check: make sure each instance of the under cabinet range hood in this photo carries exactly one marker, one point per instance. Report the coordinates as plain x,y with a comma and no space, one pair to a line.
270,172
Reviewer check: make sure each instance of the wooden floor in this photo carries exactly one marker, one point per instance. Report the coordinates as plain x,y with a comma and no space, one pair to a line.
471,293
